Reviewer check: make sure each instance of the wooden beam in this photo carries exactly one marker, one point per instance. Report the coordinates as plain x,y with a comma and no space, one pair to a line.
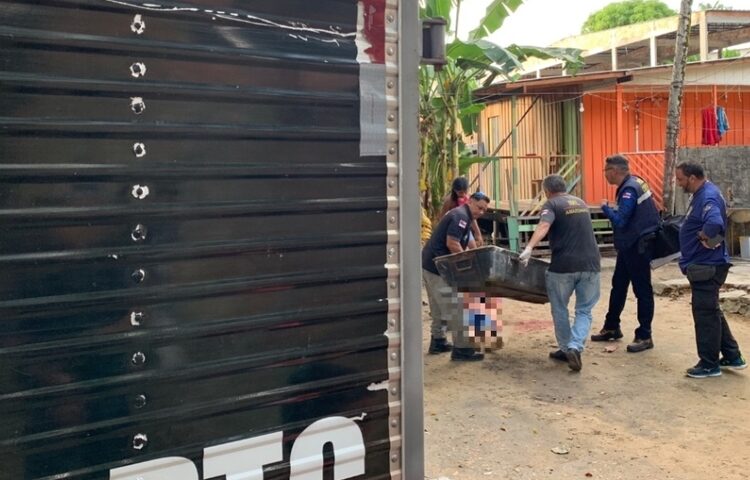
715,93
728,16
703,36
613,43
551,82
726,38
729,38
620,141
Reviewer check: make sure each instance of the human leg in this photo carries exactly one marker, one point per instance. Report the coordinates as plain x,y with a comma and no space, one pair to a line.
587,291
639,270
481,314
446,300
706,314
560,287
730,349
617,295
619,292
432,284
468,325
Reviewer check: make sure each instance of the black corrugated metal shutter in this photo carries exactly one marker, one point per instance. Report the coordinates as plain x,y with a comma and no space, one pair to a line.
192,243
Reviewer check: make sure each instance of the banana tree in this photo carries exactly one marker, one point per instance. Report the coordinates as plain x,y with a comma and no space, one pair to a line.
447,108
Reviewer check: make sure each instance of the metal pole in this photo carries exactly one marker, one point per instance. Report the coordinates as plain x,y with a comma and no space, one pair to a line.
514,153
514,148
412,425
513,233
496,184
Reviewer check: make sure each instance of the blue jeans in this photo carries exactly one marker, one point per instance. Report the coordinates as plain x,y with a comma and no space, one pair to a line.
560,287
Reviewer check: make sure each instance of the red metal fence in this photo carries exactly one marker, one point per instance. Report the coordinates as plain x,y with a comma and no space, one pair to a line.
650,167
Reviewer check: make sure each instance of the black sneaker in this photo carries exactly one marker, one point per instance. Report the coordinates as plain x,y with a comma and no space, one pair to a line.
605,335
466,355
699,371
640,344
558,355
574,359
439,345
738,363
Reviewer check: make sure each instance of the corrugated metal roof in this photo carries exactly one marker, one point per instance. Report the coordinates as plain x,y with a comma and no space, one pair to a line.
549,84
568,83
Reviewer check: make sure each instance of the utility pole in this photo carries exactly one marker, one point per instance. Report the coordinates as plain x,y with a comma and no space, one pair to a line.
675,103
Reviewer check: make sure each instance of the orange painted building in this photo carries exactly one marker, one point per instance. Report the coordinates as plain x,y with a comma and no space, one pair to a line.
622,111
641,131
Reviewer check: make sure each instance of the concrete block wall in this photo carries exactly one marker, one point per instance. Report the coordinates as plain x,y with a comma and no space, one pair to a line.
727,167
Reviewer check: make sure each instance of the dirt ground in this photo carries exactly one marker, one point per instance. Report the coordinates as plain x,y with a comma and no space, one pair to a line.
624,416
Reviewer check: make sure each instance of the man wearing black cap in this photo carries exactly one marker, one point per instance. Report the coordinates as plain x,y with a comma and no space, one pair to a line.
635,222
452,235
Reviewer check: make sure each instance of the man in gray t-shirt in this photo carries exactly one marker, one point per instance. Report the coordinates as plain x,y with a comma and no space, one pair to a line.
575,266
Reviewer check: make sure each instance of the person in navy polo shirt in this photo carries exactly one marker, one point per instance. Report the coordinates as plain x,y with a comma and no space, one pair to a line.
705,261
452,235
635,223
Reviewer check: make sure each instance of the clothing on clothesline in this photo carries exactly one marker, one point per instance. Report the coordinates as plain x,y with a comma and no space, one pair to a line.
722,122
710,131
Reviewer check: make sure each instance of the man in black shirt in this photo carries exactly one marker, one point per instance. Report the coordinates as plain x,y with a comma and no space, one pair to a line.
575,266
452,235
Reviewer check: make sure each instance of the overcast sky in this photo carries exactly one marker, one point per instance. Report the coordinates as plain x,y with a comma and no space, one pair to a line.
541,22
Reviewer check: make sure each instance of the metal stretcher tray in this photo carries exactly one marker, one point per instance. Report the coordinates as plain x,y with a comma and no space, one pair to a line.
496,272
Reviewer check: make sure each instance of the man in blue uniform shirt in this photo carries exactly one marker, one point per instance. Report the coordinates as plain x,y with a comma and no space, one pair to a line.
635,222
452,235
705,261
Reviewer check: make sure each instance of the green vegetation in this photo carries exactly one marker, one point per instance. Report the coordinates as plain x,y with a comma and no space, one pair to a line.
713,6
447,108
725,53
627,12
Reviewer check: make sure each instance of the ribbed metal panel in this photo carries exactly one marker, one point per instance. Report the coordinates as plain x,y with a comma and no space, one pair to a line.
192,246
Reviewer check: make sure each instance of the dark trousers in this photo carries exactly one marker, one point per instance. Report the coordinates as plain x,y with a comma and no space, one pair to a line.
632,266
712,333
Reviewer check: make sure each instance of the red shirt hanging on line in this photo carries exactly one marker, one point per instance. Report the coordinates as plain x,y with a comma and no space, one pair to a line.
710,131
